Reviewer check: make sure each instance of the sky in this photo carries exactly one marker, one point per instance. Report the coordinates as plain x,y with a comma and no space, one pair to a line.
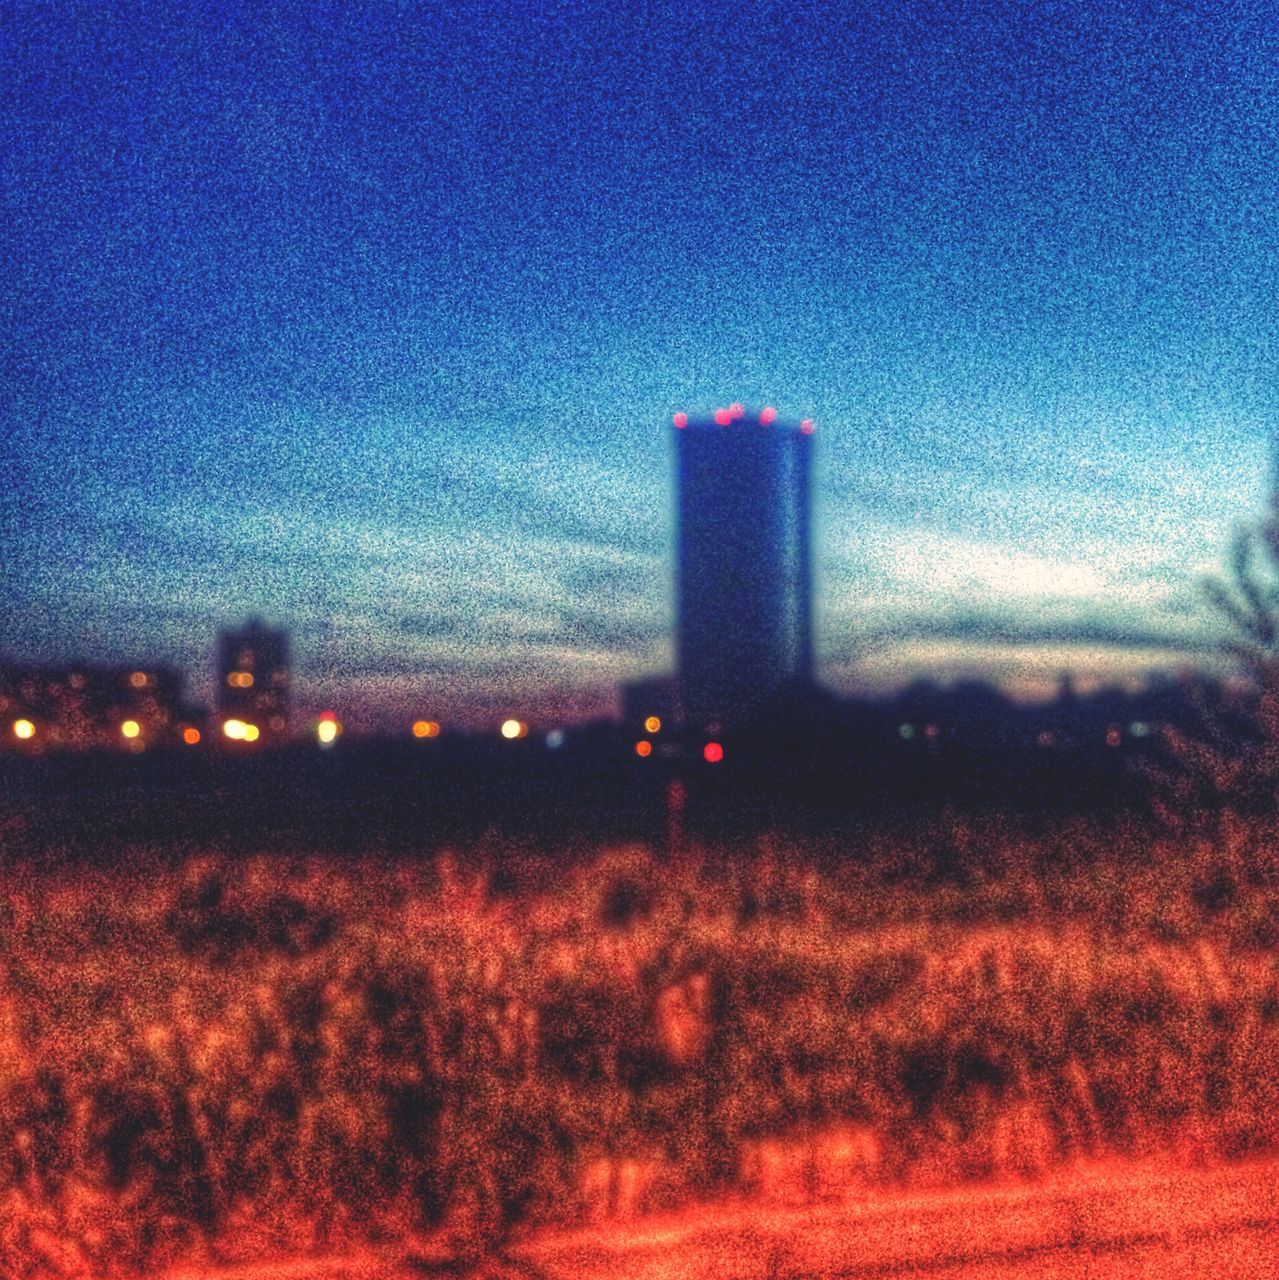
371,320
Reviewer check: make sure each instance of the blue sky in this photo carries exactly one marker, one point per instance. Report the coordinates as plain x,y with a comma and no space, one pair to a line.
373,323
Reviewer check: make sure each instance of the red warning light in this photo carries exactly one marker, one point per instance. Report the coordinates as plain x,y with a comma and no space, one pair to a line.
643,748
723,416
767,415
327,717
681,419
735,410
807,426
712,753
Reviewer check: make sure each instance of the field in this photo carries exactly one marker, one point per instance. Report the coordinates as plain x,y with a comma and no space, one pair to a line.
216,1059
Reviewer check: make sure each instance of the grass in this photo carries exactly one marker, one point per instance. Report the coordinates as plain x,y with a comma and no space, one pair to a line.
235,1058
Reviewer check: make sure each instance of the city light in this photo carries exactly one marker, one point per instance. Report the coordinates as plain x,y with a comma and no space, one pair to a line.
251,733
681,419
240,679
190,736
328,729
426,729
643,748
130,728
555,739
712,753
723,416
138,679
807,426
653,724
907,731
513,729
736,410
767,415
23,729
234,729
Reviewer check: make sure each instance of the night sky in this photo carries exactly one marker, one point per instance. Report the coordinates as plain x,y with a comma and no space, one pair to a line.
371,320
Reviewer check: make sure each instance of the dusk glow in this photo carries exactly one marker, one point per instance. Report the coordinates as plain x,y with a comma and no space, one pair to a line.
297,315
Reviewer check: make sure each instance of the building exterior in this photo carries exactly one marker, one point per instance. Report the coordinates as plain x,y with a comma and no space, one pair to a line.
744,611
85,707
253,681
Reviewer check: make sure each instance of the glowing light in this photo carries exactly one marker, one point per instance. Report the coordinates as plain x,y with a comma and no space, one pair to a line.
130,728
138,679
931,731
513,729
555,739
712,753
426,729
681,420
723,417
191,736
234,729
328,715
23,729
907,731
807,426
1113,737
240,679
653,724
1139,729
251,733
736,409
644,748
327,731
767,415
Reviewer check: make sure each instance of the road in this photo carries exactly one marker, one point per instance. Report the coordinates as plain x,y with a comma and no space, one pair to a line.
1117,1223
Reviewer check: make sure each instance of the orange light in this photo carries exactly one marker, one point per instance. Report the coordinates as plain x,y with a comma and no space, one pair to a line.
767,415
644,748
138,679
191,736
426,729
130,728
23,729
712,753
681,419
240,679
653,724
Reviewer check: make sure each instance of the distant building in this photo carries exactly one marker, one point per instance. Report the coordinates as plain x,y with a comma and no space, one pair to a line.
84,707
745,609
253,680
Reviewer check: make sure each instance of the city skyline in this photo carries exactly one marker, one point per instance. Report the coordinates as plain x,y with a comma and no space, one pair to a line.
374,327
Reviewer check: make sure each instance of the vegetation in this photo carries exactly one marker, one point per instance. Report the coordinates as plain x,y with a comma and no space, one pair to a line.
233,1058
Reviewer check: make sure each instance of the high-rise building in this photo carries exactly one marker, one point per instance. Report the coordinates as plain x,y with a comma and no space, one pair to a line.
745,629
253,681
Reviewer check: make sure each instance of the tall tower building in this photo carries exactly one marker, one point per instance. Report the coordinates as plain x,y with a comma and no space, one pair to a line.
745,608
253,679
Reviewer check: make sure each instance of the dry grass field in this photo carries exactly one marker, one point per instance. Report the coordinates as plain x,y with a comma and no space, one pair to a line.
234,1059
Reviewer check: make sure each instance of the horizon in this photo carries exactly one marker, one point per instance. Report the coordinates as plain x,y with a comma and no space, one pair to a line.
375,328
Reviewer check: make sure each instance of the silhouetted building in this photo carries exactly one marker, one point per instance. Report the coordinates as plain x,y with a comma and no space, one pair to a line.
253,680
645,700
85,707
745,630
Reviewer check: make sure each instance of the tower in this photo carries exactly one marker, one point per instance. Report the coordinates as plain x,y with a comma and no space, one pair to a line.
253,679
744,562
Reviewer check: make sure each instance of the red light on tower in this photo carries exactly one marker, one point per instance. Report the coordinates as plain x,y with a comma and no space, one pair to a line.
723,416
767,415
807,426
712,753
681,420
735,410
